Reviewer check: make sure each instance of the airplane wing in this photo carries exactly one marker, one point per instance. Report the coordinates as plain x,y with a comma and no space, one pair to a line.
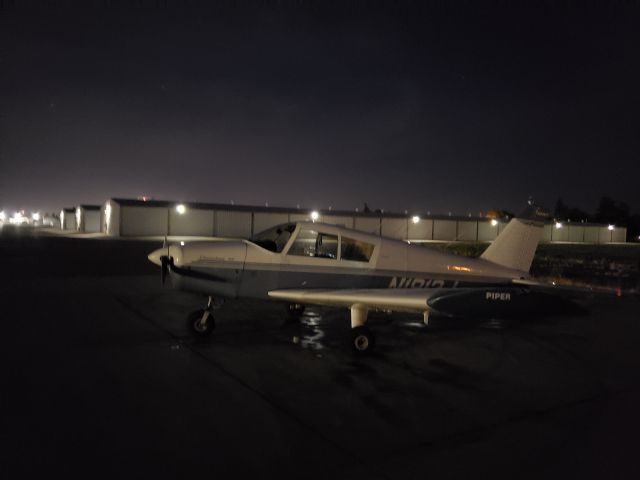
411,300
520,298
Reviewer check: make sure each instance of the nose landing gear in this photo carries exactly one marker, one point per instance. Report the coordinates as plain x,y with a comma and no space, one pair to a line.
201,322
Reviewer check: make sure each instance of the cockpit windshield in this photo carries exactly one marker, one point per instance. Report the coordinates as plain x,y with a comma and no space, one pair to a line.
275,238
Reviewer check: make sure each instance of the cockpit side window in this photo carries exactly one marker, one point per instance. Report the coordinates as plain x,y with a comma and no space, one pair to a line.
310,243
355,250
274,239
327,246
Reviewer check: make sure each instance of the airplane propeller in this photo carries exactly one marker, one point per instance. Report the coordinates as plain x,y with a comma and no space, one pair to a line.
164,269
164,263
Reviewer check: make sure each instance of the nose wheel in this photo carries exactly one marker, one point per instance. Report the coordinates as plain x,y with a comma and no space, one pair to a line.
201,322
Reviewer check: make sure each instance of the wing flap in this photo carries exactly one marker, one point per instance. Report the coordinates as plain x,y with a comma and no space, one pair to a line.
414,300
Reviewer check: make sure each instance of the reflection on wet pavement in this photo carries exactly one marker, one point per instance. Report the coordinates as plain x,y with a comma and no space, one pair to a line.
312,323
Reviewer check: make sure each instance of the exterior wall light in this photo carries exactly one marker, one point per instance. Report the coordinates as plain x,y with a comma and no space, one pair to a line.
558,225
181,209
494,222
107,218
611,227
314,216
415,219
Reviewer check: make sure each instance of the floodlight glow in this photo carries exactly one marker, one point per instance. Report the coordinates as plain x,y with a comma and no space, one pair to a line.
494,222
181,209
610,227
315,216
182,244
415,219
18,219
107,217
3,216
558,225
35,216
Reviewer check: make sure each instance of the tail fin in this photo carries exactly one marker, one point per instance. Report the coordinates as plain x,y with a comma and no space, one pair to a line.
516,245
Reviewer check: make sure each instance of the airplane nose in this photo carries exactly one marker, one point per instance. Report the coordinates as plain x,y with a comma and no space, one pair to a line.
154,257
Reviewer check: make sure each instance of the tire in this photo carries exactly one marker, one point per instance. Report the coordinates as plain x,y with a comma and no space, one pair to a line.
196,328
295,311
362,340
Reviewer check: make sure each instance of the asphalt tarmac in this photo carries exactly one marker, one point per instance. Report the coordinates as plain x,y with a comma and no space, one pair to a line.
101,379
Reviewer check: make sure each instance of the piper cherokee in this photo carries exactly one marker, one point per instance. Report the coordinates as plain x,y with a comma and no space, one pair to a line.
309,263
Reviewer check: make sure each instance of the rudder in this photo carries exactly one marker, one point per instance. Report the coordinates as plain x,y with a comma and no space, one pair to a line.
515,247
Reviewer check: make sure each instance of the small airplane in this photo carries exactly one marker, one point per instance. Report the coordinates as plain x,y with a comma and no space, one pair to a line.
309,263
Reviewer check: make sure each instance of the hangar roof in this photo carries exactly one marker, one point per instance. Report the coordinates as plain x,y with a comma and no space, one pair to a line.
251,208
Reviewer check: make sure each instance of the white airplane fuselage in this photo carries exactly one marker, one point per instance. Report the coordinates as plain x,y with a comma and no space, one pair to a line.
235,268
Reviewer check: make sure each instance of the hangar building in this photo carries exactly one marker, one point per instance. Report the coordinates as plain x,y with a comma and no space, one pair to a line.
88,218
127,218
68,219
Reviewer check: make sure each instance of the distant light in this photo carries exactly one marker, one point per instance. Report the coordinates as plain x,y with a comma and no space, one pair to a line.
35,217
18,218
315,215
494,222
610,227
181,209
182,244
415,219
558,225
3,216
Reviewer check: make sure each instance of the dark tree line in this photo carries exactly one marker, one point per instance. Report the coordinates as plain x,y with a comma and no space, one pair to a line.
609,211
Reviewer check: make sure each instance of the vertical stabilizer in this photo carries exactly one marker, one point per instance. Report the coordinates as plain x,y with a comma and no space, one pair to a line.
516,245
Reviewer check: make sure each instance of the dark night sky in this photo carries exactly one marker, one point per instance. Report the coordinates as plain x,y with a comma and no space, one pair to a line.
440,106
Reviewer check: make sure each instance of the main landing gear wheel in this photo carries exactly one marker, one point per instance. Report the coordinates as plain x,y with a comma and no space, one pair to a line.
201,323
362,340
295,311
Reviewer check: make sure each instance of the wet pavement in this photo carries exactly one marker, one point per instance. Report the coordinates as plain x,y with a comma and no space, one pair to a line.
101,378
